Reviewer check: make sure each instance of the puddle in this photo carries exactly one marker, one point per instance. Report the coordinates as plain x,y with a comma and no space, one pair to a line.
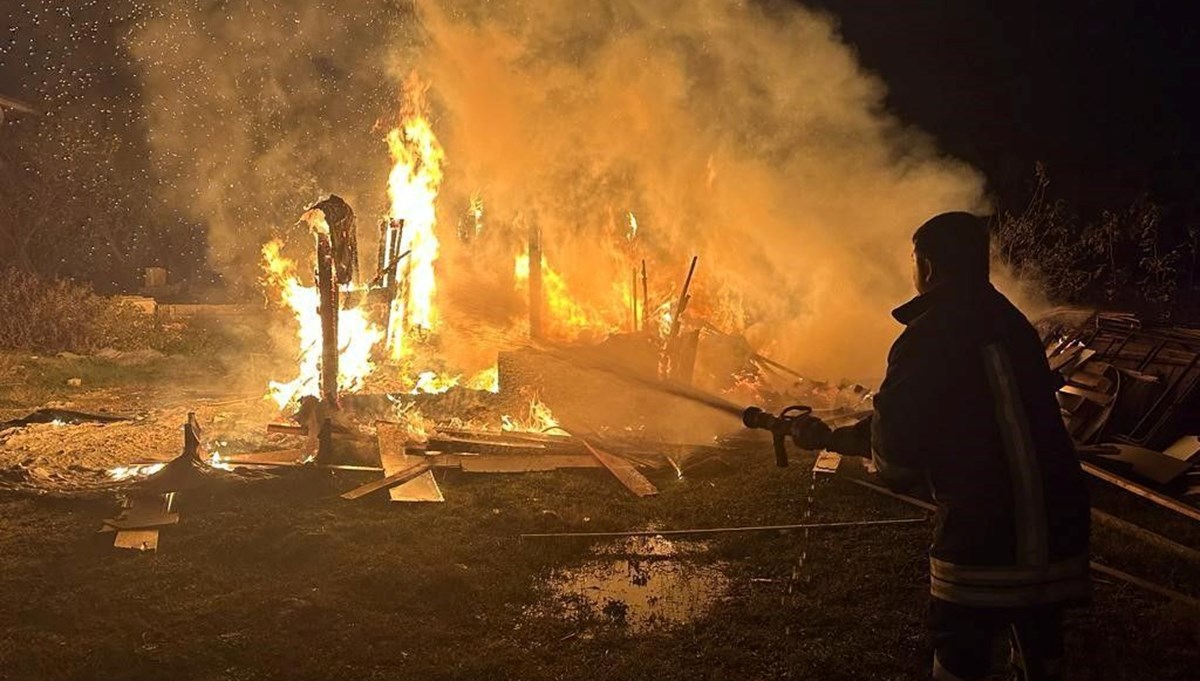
641,584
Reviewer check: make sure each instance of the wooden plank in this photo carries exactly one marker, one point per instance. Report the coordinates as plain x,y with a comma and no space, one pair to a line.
281,457
1145,584
1153,538
1184,449
1099,398
402,476
424,487
1097,567
623,471
1086,379
1062,359
466,446
1142,491
140,522
523,463
827,462
138,540
1148,463
506,436
287,429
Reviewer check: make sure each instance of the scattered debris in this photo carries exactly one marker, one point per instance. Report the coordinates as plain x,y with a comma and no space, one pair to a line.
61,417
137,525
1143,491
1128,399
623,471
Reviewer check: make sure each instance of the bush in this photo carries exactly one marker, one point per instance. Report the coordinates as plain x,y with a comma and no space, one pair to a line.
1120,258
55,315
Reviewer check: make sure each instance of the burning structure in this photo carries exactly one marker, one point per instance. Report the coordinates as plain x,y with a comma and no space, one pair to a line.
374,341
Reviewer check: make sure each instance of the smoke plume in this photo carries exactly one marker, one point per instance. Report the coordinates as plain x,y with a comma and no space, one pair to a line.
742,132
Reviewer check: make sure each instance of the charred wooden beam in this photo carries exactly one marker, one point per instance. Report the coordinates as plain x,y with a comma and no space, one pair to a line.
645,297
399,477
327,286
536,299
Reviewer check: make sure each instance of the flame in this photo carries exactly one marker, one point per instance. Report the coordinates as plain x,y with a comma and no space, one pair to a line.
417,428
315,219
412,189
665,315
356,334
137,471
477,213
539,419
433,383
633,227
567,318
487,380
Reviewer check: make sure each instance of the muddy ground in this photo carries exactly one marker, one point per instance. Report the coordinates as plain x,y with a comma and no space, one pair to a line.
281,579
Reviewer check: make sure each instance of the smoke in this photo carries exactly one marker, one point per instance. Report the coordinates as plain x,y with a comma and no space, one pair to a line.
256,110
742,132
745,133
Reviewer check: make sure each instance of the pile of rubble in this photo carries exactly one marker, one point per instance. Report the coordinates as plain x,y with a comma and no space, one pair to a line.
1129,398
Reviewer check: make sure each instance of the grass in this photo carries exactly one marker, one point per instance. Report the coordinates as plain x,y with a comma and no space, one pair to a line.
282,579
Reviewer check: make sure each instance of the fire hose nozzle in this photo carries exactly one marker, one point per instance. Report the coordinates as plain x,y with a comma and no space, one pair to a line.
754,417
780,426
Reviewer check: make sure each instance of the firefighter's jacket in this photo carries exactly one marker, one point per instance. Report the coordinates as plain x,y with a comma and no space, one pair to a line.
968,406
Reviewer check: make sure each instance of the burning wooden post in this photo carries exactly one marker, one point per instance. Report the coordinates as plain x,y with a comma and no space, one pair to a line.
681,305
535,281
327,289
679,354
633,297
645,297
390,233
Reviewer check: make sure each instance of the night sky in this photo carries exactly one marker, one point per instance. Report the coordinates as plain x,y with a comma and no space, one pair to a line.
1097,91
1099,95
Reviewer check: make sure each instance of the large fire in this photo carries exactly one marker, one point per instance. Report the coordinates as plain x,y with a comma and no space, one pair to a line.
403,338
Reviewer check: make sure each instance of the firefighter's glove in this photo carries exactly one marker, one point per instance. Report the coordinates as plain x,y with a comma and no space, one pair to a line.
810,433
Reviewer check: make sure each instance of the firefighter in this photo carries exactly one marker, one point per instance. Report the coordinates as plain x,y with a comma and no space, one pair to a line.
967,407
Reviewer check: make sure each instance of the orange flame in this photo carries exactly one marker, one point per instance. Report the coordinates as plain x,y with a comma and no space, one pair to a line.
567,317
356,335
413,189
538,420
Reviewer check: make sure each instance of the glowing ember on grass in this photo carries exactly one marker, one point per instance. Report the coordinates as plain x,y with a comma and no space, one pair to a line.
138,471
